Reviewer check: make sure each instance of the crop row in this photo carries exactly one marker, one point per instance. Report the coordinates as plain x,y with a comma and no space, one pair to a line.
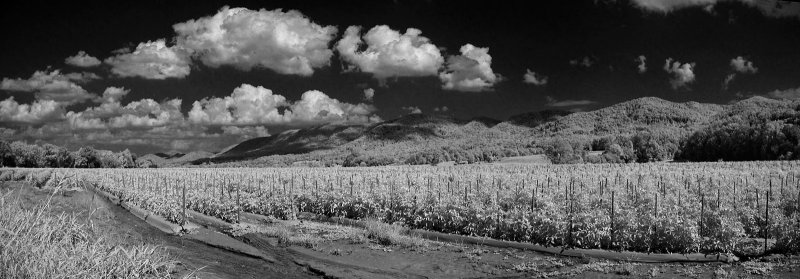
665,207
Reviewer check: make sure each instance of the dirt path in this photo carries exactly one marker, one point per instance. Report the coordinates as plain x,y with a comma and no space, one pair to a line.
194,257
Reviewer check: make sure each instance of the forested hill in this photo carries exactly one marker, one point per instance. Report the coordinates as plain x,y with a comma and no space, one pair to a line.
649,113
657,124
753,129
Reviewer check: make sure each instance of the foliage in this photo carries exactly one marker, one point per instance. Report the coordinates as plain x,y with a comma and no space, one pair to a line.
658,207
20,154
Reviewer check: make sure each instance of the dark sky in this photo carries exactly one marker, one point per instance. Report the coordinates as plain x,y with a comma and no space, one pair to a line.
543,36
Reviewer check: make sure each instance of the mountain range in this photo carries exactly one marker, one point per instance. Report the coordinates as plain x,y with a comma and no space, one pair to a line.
415,138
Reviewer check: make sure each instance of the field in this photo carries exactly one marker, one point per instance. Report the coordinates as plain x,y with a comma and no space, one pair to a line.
659,207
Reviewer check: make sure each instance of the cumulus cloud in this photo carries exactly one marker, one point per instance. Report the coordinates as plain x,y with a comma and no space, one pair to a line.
683,74
585,62
440,109
552,102
250,105
642,60
412,110
389,53
470,71
62,88
145,113
770,8
151,60
787,94
82,59
160,126
285,42
369,93
148,113
534,78
39,111
114,94
741,65
315,106
247,105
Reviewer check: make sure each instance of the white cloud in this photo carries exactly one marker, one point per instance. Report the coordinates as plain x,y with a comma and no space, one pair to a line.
586,62
741,65
788,94
369,93
470,71
390,53
534,78
82,60
246,131
151,60
770,8
285,42
552,102
315,106
247,105
683,74
114,94
148,113
727,81
62,88
39,111
642,60
412,110
441,109
145,113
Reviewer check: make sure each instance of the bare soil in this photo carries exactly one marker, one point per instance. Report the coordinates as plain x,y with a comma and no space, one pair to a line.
338,252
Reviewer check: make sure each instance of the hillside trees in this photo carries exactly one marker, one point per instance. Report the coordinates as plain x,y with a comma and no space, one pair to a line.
23,155
758,129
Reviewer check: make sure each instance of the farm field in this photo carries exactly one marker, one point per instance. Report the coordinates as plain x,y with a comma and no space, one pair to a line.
725,208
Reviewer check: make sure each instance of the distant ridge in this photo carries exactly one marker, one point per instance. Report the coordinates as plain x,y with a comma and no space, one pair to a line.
414,138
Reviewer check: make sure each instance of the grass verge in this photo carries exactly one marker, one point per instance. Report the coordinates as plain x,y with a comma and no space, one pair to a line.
38,243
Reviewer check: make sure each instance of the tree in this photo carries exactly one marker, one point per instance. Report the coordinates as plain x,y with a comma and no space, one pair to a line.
126,159
87,157
56,156
25,155
6,154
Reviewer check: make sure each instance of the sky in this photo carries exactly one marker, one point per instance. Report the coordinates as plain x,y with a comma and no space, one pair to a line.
185,76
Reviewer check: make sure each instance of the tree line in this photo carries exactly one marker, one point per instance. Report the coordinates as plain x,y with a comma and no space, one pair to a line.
23,155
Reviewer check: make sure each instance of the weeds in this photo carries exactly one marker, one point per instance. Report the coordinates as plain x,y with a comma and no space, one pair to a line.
35,243
391,234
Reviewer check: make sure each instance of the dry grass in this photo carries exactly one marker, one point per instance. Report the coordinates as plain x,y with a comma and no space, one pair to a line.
37,243
283,233
392,234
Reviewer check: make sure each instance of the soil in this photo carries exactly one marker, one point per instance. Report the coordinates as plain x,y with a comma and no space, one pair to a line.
336,253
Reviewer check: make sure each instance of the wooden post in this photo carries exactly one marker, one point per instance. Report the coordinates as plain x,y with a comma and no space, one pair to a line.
238,204
702,211
183,203
766,220
612,220
734,195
